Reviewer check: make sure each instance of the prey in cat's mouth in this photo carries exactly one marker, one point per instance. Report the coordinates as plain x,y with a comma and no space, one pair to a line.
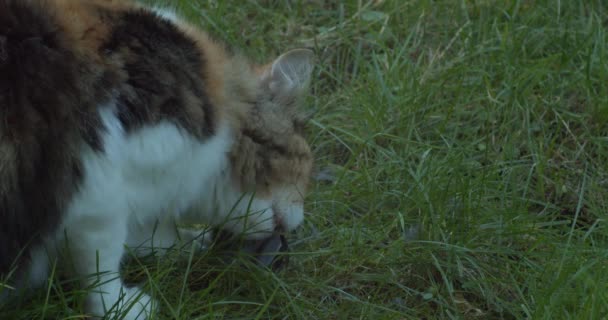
268,252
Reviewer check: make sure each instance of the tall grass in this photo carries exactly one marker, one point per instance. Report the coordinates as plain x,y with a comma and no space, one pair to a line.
462,151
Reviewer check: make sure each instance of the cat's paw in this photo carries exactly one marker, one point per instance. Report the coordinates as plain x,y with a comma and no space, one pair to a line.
197,240
127,304
137,305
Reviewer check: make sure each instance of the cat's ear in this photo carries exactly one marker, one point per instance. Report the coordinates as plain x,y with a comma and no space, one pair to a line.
289,75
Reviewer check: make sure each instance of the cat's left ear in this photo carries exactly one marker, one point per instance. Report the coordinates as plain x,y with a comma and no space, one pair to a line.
289,75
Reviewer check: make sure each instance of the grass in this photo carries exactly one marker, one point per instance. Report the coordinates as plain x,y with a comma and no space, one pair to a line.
463,147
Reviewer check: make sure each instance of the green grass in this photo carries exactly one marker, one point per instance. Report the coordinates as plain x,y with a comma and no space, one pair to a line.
467,142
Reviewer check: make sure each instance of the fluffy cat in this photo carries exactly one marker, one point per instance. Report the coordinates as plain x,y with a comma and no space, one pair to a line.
118,122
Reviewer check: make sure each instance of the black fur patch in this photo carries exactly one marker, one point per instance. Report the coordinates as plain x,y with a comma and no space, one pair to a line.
164,69
47,101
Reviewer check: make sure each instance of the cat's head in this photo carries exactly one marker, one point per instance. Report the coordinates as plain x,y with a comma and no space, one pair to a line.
272,157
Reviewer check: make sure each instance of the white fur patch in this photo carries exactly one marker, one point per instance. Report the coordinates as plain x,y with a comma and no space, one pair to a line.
167,13
155,172
135,193
288,202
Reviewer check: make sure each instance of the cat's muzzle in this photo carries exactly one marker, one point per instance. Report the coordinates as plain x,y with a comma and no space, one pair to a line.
268,252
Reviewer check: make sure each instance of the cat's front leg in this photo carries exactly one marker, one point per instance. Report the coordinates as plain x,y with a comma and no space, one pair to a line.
95,243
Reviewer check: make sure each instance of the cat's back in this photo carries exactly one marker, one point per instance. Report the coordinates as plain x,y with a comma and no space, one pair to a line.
48,94
62,61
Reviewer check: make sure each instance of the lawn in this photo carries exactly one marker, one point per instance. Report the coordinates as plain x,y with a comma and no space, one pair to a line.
462,166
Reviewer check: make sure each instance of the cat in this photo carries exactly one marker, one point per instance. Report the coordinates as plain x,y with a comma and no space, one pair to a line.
119,122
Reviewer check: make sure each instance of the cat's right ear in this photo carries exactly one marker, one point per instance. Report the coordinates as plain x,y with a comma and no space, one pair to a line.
289,75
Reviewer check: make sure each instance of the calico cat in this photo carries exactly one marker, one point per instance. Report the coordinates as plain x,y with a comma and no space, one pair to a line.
119,122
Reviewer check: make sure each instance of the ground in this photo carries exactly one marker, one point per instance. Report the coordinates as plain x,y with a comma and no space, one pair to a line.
462,155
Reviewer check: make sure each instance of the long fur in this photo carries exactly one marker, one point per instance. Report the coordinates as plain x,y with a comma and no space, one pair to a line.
118,122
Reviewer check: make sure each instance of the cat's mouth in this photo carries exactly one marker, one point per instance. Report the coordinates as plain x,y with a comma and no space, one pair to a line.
268,252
